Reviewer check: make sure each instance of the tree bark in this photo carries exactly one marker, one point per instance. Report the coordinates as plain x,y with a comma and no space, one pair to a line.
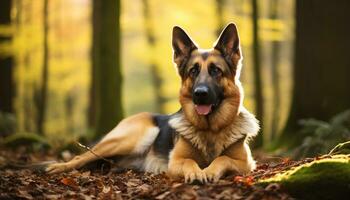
275,54
106,69
6,62
155,73
259,101
91,119
219,15
322,64
45,73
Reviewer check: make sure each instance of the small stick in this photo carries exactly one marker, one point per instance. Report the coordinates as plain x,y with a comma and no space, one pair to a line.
95,154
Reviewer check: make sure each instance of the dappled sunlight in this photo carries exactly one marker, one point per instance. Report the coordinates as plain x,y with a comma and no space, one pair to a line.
92,104
69,40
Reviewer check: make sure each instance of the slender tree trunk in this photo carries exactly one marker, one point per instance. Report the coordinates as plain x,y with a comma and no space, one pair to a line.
6,62
259,101
69,110
106,69
275,54
91,120
155,73
322,64
45,72
219,15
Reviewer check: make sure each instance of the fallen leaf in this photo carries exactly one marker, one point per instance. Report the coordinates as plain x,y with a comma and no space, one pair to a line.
133,182
175,185
69,182
106,189
286,160
25,194
129,184
86,174
263,166
249,180
52,196
163,195
145,188
238,179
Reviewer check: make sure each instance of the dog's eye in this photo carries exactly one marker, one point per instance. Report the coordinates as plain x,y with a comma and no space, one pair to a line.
194,70
214,70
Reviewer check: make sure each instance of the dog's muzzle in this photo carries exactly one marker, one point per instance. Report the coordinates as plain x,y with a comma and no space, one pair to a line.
204,99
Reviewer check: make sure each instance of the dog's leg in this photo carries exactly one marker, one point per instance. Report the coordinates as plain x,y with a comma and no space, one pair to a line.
236,158
132,136
182,163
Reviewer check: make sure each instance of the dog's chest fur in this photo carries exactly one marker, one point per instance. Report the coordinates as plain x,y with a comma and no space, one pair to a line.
212,144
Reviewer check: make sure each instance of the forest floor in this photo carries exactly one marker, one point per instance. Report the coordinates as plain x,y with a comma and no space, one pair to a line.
16,183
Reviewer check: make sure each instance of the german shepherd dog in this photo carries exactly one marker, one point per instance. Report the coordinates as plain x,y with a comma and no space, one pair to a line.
206,138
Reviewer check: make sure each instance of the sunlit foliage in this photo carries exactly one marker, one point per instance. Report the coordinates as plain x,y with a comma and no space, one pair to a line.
69,59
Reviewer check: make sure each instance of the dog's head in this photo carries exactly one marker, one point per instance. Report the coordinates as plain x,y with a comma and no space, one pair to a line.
211,93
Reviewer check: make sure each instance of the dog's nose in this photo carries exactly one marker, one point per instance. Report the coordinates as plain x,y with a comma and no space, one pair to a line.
201,91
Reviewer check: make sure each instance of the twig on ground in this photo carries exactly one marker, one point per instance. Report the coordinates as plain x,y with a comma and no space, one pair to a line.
95,154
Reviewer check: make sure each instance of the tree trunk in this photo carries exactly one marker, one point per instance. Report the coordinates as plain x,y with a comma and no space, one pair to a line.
69,104
275,54
106,70
259,104
6,61
322,64
45,72
155,74
219,16
92,119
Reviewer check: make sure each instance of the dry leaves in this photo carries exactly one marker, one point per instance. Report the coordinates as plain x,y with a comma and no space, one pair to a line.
26,184
69,182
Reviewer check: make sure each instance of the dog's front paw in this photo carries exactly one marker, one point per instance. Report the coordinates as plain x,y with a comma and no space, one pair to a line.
192,176
57,168
212,174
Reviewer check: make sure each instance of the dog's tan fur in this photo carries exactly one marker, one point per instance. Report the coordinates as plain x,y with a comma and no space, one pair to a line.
233,93
218,152
132,136
205,147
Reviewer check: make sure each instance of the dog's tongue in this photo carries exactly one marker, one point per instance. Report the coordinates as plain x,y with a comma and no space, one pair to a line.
203,109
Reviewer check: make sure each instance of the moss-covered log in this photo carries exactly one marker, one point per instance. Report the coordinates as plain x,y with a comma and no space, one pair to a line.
327,178
35,141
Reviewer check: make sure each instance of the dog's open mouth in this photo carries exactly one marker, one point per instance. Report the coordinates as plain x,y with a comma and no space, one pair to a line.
203,109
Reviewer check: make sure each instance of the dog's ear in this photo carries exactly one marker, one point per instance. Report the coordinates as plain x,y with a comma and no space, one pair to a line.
228,45
182,46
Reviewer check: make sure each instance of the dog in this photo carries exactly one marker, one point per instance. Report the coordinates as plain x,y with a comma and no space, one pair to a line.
207,138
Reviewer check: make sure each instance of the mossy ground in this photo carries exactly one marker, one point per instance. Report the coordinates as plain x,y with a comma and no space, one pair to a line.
327,178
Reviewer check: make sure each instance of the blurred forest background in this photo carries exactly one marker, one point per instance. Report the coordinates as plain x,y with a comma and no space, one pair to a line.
71,69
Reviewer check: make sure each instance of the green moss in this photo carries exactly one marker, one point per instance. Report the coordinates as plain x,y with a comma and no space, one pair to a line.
323,179
25,139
